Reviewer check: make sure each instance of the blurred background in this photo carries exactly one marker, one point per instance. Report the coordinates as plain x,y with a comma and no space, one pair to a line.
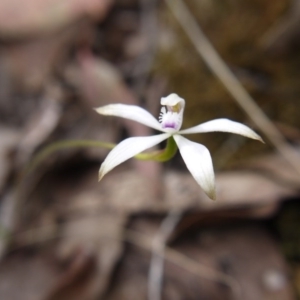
147,231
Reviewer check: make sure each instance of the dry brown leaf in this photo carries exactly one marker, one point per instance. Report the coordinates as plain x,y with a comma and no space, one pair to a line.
40,16
100,237
245,252
34,274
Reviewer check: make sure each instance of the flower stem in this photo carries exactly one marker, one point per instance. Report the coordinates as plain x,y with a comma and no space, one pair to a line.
68,144
160,155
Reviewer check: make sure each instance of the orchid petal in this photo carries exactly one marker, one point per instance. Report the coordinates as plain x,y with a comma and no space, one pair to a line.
223,125
131,112
198,161
127,149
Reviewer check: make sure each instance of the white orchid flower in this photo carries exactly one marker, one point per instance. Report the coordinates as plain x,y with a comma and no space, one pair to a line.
196,156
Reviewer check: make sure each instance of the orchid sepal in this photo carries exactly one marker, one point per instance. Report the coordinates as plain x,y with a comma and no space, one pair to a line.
131,112
223,125
127,149
198,161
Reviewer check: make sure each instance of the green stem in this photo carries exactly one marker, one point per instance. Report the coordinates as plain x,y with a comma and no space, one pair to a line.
159,155
44,153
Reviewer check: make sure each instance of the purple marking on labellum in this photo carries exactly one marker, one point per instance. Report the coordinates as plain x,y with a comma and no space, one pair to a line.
169,125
